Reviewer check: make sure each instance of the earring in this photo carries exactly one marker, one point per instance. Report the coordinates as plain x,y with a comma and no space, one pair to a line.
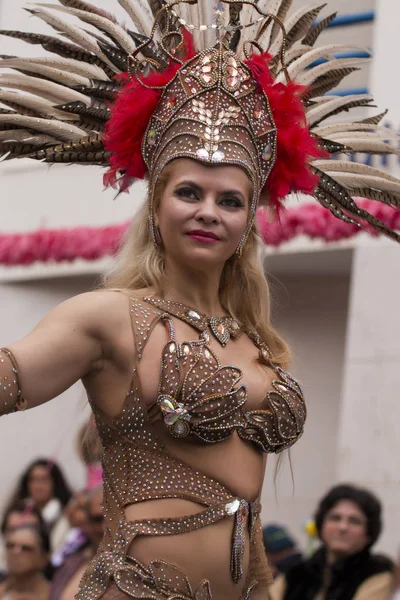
155,233
238,251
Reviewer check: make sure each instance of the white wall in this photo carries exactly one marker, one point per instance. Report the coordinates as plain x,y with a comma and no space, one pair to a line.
48,430
312,315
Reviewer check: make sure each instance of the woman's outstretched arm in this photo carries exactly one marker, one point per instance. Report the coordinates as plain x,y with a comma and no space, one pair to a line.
70,342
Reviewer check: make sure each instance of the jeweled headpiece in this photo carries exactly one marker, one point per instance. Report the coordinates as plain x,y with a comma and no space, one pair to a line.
226,83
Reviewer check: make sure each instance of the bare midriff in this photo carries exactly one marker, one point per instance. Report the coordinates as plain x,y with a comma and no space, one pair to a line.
240,468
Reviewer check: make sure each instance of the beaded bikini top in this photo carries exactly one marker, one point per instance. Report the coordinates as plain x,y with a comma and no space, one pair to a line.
200,397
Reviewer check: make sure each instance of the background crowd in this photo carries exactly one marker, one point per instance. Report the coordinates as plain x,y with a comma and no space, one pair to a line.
49,535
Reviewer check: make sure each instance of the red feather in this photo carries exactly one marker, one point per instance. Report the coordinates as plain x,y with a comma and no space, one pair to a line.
130,116
295,144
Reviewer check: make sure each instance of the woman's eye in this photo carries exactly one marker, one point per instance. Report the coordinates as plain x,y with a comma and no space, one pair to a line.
232,201
186,193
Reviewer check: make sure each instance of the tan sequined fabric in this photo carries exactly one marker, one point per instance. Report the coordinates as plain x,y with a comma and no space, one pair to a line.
200,402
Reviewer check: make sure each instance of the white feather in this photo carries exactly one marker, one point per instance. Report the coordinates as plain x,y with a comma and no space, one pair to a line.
315,113
67,64
101,23
58,129
40,105
40,87
298,66
72,32
25,136
374,146
67,79
289,24
140,13
328,130
345,166
383,134
355,180
308,77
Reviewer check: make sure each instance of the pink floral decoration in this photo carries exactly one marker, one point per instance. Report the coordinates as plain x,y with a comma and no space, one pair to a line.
92,243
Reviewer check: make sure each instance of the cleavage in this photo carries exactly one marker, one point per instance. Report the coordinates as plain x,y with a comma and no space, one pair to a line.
240,353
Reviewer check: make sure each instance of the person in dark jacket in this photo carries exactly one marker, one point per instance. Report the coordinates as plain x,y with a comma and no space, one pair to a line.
348,521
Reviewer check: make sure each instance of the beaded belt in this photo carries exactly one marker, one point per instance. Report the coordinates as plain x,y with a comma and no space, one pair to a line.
245,514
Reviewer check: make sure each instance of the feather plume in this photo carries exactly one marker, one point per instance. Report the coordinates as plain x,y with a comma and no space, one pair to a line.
281,14
140,13
38,105
88,71
25,136
99,89
301,64
297,26
336,105
117,33
57,75
100,113
374,120
64,49
46,89
71,31
310,76
383,197
344,166
316,30
58,129
328,82
80,5
334,196
355,180
329,130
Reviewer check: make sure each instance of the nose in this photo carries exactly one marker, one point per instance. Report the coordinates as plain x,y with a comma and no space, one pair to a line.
207,210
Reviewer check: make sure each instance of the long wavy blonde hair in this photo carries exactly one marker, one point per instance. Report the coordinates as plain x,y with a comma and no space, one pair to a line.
244,291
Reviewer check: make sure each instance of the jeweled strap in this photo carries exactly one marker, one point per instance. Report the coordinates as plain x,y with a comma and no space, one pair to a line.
239,508
223,328
11,399
181,311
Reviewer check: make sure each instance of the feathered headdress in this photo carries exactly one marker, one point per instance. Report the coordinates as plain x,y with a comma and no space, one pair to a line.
233,83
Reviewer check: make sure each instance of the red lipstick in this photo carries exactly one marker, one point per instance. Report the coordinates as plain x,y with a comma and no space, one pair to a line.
206,237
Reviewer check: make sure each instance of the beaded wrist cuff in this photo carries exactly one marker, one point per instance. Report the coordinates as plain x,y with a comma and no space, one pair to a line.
11,398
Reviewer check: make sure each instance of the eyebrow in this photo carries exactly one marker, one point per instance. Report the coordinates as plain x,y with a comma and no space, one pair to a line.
200,189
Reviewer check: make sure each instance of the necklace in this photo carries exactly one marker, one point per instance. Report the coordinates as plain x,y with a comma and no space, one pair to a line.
222,328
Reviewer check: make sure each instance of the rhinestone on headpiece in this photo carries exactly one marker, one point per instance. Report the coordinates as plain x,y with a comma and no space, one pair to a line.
212,119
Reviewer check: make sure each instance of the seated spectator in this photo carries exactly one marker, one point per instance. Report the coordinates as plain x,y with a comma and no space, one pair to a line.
396,595
348,521
27,555
43,483
66,580
280,549
76,539
21,513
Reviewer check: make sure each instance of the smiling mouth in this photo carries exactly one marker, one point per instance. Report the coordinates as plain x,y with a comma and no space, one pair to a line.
206,237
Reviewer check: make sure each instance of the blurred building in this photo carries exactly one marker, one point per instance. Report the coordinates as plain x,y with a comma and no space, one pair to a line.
337,303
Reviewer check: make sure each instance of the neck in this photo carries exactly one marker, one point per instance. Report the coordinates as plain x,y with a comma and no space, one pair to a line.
25,583
198,289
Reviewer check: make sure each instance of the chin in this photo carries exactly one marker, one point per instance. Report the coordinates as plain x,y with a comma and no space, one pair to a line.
198,257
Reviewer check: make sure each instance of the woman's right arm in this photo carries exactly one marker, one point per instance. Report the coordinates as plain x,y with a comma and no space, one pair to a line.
73,340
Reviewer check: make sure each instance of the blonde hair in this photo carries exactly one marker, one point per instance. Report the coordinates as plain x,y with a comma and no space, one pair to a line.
244,291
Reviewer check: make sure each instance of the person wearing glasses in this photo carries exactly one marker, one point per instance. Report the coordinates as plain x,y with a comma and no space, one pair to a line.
27,556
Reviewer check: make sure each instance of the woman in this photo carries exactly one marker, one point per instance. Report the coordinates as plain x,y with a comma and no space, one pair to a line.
27,555
44,484
184,447
348,521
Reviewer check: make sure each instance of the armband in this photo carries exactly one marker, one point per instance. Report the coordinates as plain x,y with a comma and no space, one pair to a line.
11,398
